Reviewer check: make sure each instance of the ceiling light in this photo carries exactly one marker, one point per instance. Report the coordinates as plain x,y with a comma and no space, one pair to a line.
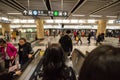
66,21
111,16
74,21
4,18
49,21
111,21
58,21
95,15
78,15
15,13
91,21
16,21
31,21
23,21
82,21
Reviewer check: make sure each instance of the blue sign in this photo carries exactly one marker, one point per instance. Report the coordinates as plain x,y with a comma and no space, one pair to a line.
35,13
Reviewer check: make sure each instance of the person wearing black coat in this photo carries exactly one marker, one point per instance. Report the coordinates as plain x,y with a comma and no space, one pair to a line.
89,37
25,51
66,43
99,39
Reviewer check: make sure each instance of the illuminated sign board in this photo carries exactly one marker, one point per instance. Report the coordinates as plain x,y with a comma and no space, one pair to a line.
5,21
45,13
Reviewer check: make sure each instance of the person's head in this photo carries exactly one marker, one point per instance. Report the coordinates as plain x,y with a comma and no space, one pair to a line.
103,63
3,43
54,59
68,32
22,41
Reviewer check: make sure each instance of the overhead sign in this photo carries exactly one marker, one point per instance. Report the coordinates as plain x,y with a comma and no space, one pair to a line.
5,21
45,13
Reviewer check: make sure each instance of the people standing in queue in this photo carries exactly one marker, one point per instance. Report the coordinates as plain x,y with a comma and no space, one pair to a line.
66,43
25,51
54,67
9,53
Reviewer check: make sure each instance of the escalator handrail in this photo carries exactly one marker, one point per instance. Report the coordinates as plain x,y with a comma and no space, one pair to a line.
83,55
27,63
37,68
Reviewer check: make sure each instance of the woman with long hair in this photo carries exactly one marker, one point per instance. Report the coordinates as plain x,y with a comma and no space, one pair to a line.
54,67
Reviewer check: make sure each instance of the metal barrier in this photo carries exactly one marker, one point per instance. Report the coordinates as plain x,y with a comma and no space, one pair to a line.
77,60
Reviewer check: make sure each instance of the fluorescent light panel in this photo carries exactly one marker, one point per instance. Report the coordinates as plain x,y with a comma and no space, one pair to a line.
82,21
74,21
78,15
111,16
95,15
66,21
49,21
15,13
111,21
58,21
4,18
91,21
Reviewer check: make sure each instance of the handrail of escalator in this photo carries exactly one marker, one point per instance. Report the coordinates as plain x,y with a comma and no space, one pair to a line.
27,63
83,55
37,72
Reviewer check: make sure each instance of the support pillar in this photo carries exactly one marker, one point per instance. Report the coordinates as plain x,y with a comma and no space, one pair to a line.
101,27
40,28
5,28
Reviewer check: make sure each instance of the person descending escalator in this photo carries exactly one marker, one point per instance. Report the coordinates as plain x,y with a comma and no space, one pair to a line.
66,43
25,51
54,67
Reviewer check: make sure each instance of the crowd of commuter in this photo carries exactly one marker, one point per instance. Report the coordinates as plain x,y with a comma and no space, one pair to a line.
102,63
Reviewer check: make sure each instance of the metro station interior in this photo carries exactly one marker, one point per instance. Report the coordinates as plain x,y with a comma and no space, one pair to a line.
88,23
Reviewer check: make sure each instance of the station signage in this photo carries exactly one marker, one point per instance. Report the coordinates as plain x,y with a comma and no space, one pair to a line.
45,13
5,21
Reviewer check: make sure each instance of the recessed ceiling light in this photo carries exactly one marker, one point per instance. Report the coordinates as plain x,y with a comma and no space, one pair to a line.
95,15
49,21
74,21
111,16
15,13
78,15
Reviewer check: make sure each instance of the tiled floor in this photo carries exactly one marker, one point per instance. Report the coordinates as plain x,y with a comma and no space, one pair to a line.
84,47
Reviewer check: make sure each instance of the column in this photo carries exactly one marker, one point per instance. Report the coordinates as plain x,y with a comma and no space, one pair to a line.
40,28
5,28
101,27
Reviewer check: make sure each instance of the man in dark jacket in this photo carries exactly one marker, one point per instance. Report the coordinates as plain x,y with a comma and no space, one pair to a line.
25,51
89,37
66,43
